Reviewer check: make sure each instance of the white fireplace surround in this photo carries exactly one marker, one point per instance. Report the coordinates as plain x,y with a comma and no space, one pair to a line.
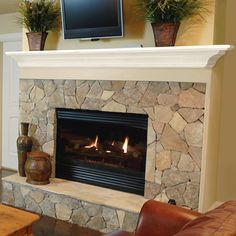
181,64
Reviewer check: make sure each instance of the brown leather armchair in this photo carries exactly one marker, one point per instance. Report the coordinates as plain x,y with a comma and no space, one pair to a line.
161,219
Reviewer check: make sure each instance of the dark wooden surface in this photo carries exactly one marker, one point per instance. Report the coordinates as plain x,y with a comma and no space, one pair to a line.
48,226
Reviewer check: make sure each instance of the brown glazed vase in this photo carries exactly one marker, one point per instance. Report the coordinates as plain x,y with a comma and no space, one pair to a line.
24,145
36,40
165,33
38,168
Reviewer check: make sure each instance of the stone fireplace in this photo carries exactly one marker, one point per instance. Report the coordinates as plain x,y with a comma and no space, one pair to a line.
133,82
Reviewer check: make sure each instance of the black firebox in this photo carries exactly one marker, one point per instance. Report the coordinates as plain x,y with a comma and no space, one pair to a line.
106,149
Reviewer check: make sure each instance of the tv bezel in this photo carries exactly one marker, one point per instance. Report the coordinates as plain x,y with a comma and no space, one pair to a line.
97,32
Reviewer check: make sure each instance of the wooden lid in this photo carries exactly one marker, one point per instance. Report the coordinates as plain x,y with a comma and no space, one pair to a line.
38,154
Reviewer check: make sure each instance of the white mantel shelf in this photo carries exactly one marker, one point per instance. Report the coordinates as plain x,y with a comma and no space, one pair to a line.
150,57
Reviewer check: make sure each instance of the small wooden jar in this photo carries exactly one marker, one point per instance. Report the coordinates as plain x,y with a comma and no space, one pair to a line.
38,168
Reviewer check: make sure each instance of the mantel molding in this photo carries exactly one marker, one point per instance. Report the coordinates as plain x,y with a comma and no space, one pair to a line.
151,57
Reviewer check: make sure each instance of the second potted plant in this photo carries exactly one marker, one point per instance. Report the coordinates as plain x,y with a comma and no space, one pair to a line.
166,15
38,17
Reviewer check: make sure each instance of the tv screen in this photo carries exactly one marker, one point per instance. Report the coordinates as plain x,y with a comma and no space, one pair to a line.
91,19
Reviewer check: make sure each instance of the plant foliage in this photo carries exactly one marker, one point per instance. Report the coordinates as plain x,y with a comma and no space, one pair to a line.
39,15
158,11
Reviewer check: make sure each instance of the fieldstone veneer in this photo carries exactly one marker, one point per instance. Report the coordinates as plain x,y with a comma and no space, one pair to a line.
175,125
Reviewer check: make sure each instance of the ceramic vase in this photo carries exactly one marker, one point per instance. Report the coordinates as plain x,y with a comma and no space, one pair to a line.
24,145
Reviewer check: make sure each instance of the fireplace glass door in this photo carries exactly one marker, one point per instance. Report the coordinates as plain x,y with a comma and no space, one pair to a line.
106,149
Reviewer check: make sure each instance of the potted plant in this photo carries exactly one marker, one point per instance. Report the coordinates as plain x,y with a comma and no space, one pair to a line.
38,17
165,16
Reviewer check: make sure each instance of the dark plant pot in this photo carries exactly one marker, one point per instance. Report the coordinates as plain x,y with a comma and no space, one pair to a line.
36,40
38,168
24,145
165,33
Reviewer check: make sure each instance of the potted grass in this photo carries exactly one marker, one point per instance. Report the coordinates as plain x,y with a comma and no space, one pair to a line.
166,15
38,17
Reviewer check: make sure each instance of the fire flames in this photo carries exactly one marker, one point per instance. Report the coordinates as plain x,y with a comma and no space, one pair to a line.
125,145
94,144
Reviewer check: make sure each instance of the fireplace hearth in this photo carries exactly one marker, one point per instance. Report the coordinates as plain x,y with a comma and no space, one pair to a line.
106,149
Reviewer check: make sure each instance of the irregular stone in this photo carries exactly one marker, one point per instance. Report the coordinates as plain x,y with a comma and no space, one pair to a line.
163,113
81,93
133,94
92,104
195,177
110,218
151,190
71,102
122,98
105,84
36,94
162,197
142,86
201,87
191,98
133,108
159,147
80,217
19,199
150,164
191,115
121,216
49,87
27,106
49,147
48,207
59,83
130,84
95,91
70,87
117,85
31,205
158,127
196,154
173,193
191,195
175,88
163,160
56,99
172,141
175,108
178,123
50,132
185,85
92,209
130,221
37,196
114,106
175,157
174,177
151,135
24,191
150,112
186,163
107,94
158,177
63,212
167,99
202,119
96,223
7,193
51,116
194,134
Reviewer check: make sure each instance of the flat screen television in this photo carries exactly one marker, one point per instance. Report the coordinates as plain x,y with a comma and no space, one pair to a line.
92,19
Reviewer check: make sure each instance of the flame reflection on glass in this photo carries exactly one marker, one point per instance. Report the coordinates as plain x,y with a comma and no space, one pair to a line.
125,145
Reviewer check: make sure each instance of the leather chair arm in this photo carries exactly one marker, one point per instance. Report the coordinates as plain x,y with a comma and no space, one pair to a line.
163,219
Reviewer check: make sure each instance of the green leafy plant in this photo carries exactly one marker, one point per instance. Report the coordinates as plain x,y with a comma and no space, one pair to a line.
158,11
39,15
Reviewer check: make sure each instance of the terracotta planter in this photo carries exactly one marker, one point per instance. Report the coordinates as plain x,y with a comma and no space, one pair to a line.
38,168
36,40
165,33
24,145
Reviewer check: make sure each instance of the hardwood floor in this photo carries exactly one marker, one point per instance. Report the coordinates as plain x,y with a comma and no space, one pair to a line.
48,226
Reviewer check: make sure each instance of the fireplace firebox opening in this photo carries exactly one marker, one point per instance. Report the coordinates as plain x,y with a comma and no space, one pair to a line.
106,149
